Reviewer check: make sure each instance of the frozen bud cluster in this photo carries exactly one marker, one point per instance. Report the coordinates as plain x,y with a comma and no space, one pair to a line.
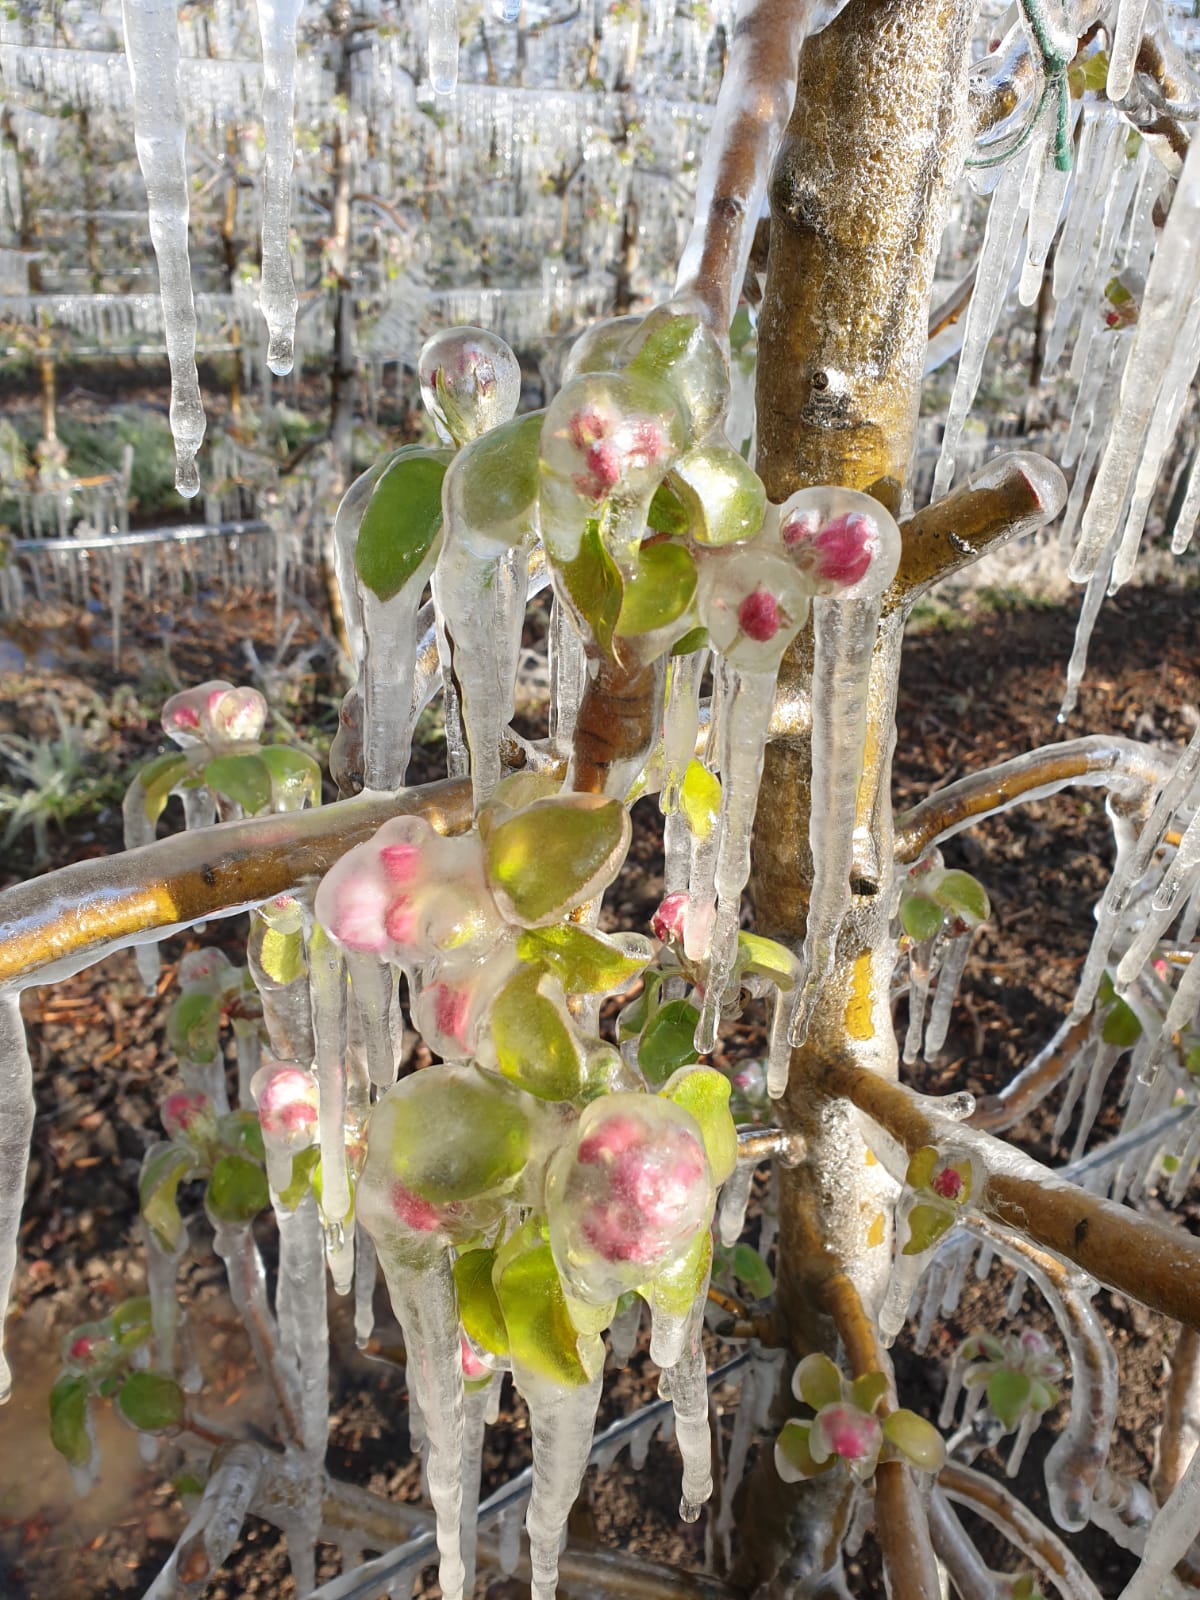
215,715
844,544
753,604
851,1424
628,1195
470,382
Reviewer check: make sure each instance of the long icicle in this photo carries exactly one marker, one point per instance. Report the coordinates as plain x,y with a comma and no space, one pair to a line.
152,49
16,1129
277,21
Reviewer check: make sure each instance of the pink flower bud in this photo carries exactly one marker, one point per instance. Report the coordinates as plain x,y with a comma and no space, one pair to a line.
451,1009
758,616
947,1183
359,916
838,555
668,921
286,1098
83,1349
401,920
413,1212
183,1109
472,1366
843,1430
401,862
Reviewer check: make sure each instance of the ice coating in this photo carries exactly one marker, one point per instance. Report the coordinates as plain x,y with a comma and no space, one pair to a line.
287,1100
443,44
301,1314
470,379
16,1129
561,1424
847,547
277,21
152,50
688,1383
627,1195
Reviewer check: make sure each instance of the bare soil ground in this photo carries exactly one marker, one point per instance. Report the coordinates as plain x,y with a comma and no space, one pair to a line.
102,1065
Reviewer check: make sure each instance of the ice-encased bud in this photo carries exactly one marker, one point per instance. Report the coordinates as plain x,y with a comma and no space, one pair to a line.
189,1114
607,442
452,1002
288,1102
676,345
627,1196
214,714
447,1148
601,348
470,381
844,544
409,895
753,604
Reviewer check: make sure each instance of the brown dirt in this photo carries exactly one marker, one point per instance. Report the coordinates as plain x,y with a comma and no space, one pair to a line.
102,1062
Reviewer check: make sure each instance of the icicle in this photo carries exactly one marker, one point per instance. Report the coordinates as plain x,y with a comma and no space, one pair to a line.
950,971
476,1406
1164,907
276,939
848,548
568,675
328,988
1104,1060
902,1283
731,1209
623,1333
1050,182
277,21
749,698
365,1272
300,1311
443,45
373,989
152,51
162,1273
214,1526
1185,523
689,1400
16,1130
744,1426
1169,1537
561,1422
1170,288
508,1540
920,975
1125,42
1026,1429
1006,215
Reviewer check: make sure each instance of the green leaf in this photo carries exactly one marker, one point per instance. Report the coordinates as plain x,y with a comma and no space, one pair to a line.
491,1135
162,1170
700,799
926,1225
752,1272
660,592
555,854
583,962
920,917
667,512
1121,1026
304,1170
497,474
632,1019
921,1167
69,1420
866,1392
676,1286
240,1132
965,896
722,494
237,1190
478,1302
158,779
245,779
187,1486
402,522
1008,1395
193,1026
130,1322
1043,1395
151,1402
668,1042
704,1093
281,955
296,777
817,1381
543,1341
764,958
535,1046
691,641
593,581
793,1459
915,1438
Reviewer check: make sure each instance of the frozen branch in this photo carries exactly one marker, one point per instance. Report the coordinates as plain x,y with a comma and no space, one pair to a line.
1180,1433
1038,1544
752,110
995,1112
1149,1260
1124,767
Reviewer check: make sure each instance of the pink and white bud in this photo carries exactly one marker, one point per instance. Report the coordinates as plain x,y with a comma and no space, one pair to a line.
189,1113
843,1430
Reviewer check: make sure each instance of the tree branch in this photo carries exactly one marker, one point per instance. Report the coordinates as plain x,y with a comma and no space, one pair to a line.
1132,770
995,1112
1149,1260
54,925
997,1505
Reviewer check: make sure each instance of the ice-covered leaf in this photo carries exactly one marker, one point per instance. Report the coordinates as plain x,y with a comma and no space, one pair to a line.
866,1392
915,1438
694,640
585,962
926,1225
478,1302
659,593
723,496
921,1167
500,484
704,1093
700,799
535,1045
452,1135
130,1322
158,779
245,779
793,1459
632,1019
237,1190
594,584
69,1419
193,1026
765,958
150,1402
817,1381
1008,1394
543,1341
751,1271
920,917
676,1287
295,776
667,512
555,854
668,1042
240,1132
281,955
162,1170
402,522
965,896
304,1172
1121,1026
